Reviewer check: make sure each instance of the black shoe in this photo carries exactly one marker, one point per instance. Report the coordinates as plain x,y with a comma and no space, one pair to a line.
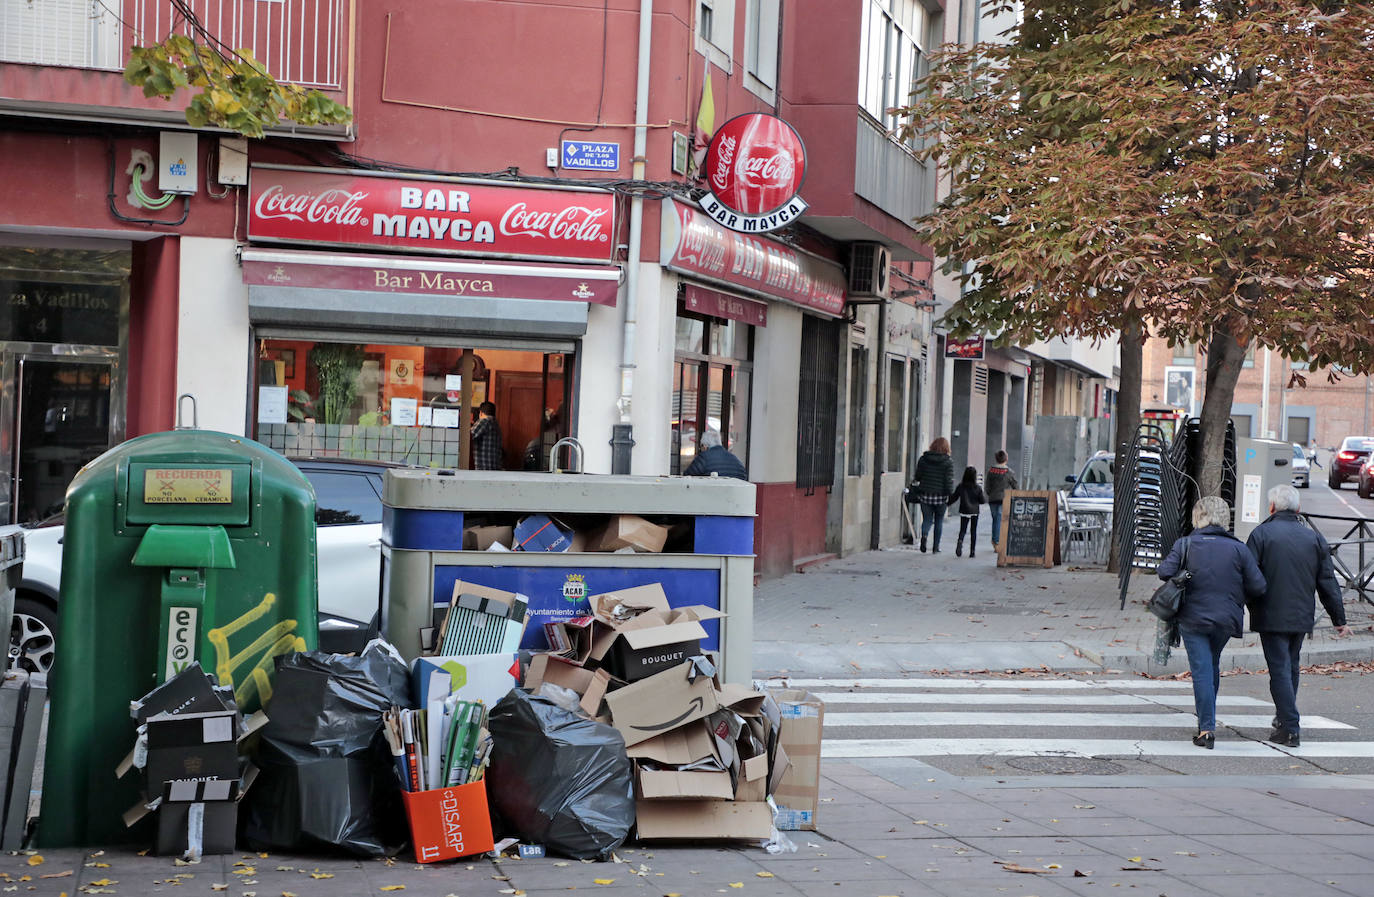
935,550
972,551
1284,738
1205,740
923,544
959,549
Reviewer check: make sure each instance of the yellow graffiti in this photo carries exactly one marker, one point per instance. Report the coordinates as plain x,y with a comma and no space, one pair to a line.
278,639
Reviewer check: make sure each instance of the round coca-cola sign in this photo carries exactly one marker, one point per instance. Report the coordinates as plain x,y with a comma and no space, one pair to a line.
754,169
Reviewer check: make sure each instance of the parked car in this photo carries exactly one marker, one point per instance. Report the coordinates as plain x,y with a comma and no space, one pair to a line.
1365,483
1348,459
1093,488
1302,468
348,535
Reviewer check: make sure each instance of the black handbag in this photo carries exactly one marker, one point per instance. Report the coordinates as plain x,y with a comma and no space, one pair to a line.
1165,602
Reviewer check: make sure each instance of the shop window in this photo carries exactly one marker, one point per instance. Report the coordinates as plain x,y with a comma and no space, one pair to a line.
858,411
407,404
817,402
896,401
710,388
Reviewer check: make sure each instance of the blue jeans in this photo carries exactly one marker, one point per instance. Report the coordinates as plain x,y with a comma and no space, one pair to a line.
932,514
1281,650
996,509
1204,662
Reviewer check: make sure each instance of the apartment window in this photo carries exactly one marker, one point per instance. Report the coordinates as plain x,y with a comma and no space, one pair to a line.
716,30
858,411
817,399
1249,361
1185,353
761,41
891,56
896,402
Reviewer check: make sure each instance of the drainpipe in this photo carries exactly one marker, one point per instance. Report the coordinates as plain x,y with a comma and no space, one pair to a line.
880,430
622,434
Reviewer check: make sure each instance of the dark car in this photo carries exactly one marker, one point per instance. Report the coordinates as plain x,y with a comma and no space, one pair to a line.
348,533
1348,459
1365,485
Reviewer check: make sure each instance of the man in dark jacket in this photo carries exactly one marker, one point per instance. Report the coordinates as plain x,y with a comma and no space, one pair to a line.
1296,562
998,480
715,458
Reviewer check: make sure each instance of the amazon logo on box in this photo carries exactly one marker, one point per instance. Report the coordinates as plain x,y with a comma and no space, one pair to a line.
661,703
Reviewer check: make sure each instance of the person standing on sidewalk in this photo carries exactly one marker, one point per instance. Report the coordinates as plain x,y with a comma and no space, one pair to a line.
1225,575
932,485
997,482
1296,561
970,496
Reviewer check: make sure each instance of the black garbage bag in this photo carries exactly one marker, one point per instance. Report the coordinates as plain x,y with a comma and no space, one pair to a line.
558,778
327,779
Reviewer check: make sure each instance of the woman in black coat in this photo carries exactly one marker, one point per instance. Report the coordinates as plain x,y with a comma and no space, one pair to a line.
1224,575
931,488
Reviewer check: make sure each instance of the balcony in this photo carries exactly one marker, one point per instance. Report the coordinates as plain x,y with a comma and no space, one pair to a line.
67,56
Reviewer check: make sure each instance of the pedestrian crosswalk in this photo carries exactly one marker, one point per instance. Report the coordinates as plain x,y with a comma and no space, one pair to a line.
1110,717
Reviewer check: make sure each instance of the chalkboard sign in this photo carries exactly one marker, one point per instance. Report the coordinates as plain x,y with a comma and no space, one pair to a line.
1029,523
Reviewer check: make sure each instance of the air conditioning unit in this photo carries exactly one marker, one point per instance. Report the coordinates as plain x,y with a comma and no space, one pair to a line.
869,273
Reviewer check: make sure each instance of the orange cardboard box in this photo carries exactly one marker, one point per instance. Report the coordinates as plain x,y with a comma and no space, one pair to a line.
447,823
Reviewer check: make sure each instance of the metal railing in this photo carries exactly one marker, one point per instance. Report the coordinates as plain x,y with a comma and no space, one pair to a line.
298,41
1359,538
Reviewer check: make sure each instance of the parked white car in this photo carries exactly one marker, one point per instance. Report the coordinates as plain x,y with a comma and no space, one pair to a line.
348,517
1094,487
1301,468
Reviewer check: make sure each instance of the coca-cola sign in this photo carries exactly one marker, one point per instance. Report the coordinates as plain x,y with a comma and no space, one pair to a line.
754,169
692,243
450,217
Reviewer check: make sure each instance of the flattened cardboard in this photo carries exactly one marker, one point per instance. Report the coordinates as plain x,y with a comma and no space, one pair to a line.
660,703
629,531
591,686
740,698
680,784
684,746
472,677
798,793
753,779
481,538
703,819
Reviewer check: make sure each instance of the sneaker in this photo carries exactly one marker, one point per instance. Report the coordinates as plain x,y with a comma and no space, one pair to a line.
1284,738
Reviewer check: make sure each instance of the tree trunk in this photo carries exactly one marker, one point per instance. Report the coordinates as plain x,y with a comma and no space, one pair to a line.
1225,356
1127,421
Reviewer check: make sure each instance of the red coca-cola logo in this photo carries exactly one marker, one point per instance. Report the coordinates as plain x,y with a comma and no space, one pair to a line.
333,206
570,223
755,164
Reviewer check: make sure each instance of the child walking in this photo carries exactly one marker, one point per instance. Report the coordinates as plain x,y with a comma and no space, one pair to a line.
969,495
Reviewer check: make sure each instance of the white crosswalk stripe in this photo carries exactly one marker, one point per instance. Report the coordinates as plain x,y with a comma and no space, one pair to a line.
1149,718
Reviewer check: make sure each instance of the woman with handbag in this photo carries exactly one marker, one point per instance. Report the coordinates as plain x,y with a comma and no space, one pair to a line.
1224,574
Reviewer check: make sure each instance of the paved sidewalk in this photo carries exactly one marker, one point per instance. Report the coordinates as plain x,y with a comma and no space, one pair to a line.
884,831
899,610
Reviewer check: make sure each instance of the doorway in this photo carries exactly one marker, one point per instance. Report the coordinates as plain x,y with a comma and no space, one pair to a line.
62,420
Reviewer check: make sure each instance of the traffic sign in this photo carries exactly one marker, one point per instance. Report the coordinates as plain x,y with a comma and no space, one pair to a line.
591,155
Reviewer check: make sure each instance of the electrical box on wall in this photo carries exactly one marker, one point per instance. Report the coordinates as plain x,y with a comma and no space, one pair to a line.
233,161
176,163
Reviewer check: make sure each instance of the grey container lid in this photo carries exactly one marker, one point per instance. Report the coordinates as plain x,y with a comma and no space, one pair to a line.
565,493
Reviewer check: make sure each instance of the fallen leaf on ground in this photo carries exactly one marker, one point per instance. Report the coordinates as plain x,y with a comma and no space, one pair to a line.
764,874
36,860
392,888
62,874
318,874
603,881
736,884
1029,870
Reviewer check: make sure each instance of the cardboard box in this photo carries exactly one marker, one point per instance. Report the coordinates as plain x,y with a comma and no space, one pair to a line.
481,538
217,817
753,780
640,635
190,691
447,823
798,793
540,532
682,763
615,608
629,531
703,819
472,677
660,703
590,685
571,638
682,784
191,746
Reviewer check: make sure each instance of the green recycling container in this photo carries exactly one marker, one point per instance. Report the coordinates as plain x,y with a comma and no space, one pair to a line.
182,546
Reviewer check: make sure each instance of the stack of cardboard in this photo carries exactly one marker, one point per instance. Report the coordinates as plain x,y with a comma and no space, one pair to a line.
540,532
191,741
707,755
